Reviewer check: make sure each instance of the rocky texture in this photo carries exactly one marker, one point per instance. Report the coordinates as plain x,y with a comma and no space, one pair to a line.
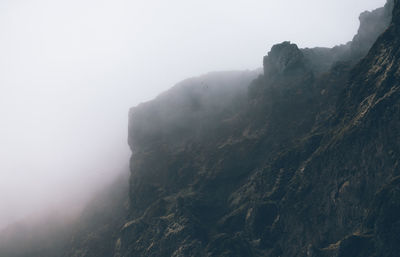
283,59
301,161
372,24
305,165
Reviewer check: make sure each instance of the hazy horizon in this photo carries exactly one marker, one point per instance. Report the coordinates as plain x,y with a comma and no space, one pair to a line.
70,70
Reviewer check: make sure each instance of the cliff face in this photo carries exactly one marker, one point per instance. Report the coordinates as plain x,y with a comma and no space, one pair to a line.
302,162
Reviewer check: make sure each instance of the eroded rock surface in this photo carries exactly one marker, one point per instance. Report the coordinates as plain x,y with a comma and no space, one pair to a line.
305,165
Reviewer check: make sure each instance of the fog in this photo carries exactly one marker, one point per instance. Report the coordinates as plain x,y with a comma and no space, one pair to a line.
70,70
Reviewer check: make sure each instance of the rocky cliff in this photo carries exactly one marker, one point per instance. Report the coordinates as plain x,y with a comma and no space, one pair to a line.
299,159
303,162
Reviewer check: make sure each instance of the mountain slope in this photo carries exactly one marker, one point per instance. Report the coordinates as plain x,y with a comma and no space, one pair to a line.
306,166
301,160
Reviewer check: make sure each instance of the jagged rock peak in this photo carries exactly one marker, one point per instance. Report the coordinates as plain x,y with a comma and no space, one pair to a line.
372,24
380,18
282,58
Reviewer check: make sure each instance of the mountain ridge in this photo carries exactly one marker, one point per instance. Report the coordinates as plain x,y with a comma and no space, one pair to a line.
300,159
261,166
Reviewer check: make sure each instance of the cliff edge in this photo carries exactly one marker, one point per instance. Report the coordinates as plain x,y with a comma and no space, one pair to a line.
303,163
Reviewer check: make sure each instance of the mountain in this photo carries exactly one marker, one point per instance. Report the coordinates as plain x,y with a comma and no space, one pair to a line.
304,164
299,159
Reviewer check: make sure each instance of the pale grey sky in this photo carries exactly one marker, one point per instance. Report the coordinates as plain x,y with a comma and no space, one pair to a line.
69,71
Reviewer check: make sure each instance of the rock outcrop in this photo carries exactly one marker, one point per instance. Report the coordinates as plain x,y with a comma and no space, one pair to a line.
301,161
283,59
372,25
306,165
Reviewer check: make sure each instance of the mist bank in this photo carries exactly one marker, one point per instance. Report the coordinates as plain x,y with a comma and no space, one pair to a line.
296,159
66,83
88,222
63,231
